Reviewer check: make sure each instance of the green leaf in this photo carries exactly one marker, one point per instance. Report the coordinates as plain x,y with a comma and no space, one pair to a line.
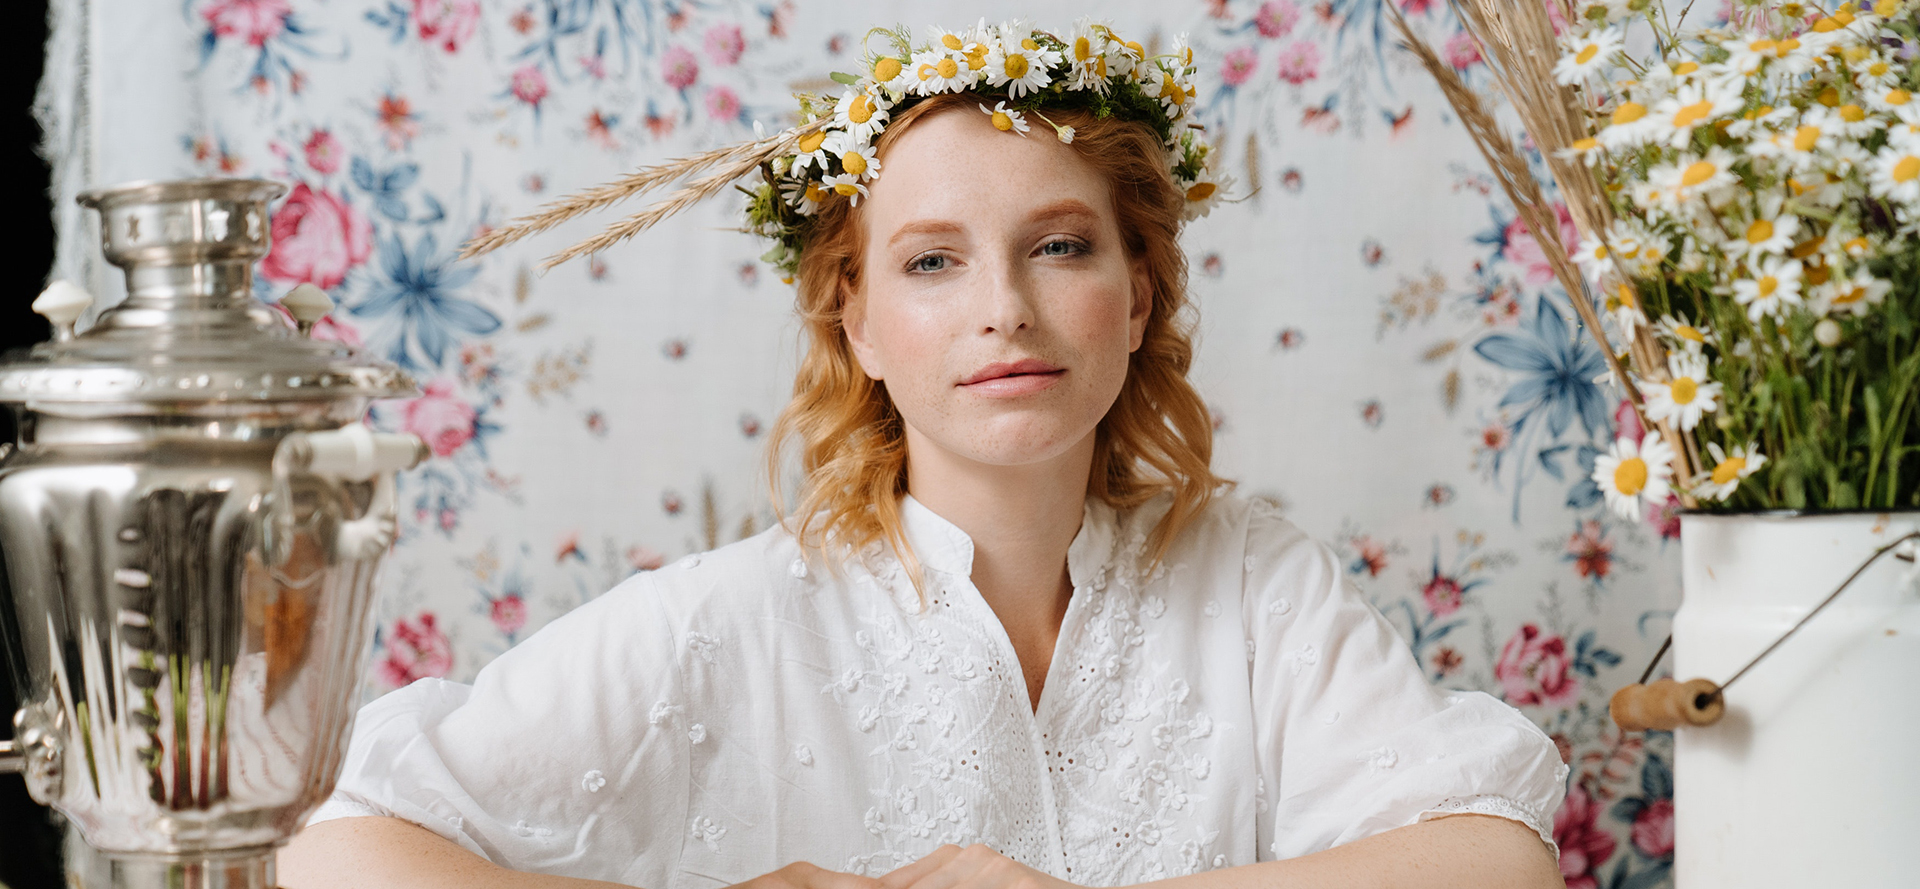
1793,490
842,77
774,255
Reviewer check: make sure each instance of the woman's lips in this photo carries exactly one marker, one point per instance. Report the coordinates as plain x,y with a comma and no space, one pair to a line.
1016,384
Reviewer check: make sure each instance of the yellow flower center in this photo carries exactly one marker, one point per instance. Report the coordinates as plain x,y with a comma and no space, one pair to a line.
1137,49
886,68
814,193
1587,144
1700,172
810,142
1760,231
1600,252
1857,246
1200,191
1100,66
1082,49
1692,114
1174,93
1683,390
1627,297
1587,53
1886,8
1630,476
853,162
1855,54
1818,275
1852,296
1762,45
1628,113
1787,46
1807,247
1685,68
1852,113
846,189
947,68
1759,112
1879,69
926,71
1826,25
1830,97
1689,332
1768,284
1016,66
1843,15
1728,470
1805,138
1027,44
1002,122
977,59
1897,97
1906,169
860,110
950,41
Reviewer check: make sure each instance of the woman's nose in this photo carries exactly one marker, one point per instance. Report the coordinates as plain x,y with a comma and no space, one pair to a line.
1007,299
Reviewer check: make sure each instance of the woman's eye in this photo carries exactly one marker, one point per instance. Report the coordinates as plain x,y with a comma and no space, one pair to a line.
1061,248
931,262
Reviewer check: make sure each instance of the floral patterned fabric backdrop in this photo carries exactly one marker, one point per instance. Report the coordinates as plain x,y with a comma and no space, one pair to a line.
1383,348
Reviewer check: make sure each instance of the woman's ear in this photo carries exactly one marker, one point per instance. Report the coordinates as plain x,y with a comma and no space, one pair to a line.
853,320
1142,304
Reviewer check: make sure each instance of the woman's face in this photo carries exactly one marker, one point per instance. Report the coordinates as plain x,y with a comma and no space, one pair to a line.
997,302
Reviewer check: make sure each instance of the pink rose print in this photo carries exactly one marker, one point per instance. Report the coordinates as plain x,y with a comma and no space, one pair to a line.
724,44
1443,595
508,613
442,420
255,21
1276,18
1300,62
1460,51
1522,250
1533,669
1628,421
1415,7
1590,551
679,68
317,239
416,649
529,85
723,104
446,22
1653,829
1665,517
323,152
1584,847
1238,66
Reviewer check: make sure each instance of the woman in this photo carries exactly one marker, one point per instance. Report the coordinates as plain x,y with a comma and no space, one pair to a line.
1015,634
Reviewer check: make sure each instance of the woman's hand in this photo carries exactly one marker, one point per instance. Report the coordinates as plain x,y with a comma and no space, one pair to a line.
802,875
975,867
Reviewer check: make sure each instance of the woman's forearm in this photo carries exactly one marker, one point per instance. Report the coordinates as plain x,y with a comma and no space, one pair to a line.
1454,852
391,853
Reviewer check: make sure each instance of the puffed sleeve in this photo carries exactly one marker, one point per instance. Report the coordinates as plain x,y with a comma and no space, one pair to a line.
564,757
1352,740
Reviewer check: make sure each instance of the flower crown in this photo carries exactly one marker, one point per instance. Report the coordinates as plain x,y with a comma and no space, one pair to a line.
1014,70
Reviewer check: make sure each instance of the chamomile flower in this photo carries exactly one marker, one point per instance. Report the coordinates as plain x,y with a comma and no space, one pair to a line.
1203,192
1728,470
1896,174
1588,151
1854,295
861,114
1634,475
1794,56
1588,55
811,150
1169,88
1876,72
1692,105
1125,56
1623,304
845,185
1763,118
1020,64
1595,258
1694,176
1747,54
1802,147
936,71
894,75
1087,54
803,195
1684,333
1774,287
958,44
1006,120
1687,397
1848,121
857,157
1629,126
1767,233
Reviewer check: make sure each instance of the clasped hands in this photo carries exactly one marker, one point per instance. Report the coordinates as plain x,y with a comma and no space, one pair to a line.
948,867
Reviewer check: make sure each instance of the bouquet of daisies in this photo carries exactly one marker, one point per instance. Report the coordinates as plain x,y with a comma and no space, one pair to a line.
1748,197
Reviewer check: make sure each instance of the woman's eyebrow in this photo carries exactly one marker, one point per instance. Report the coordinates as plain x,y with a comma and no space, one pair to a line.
1062,208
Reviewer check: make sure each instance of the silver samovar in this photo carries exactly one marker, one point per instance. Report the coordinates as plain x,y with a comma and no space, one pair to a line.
189,529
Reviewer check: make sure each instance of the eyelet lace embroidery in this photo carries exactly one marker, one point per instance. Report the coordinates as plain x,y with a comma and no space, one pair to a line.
1491,804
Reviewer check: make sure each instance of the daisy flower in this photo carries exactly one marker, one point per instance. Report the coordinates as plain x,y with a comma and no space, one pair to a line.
1848,121
1768,233
1628,127
811,150
1896,174
1587,151
1748,54
1692,105
1169,89
1687,397
845,185
1624,305
1124,56
803,195
1203,192
1691,338
1876,73
1595,258
861,114
1893,101
1769,292
1005,119
1794,56
1588,55
935,71
1728,470
1800,148
1765,117
1632,475
1694,176
1851,295
1087,54
857,158
1019,64
893,74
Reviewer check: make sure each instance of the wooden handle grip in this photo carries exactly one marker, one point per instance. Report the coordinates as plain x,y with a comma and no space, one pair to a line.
1665,704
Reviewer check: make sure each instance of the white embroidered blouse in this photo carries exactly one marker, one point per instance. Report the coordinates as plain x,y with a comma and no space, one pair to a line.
741,709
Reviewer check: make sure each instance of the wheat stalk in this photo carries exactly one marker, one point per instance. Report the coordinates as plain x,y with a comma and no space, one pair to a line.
1517,41
739,160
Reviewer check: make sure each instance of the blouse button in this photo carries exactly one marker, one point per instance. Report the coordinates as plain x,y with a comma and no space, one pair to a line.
1279,607
593,781
798,568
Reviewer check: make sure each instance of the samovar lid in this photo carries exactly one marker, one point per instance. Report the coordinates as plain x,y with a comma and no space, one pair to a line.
190,329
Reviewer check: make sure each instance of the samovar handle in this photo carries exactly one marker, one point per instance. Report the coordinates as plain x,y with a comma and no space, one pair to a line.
350,453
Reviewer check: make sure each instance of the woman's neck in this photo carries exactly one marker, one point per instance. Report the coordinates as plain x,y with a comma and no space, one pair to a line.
1022,520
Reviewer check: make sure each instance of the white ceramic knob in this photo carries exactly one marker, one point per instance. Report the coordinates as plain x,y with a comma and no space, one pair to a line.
307,304
62,303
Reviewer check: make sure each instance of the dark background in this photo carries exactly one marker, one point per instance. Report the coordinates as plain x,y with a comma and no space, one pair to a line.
29,842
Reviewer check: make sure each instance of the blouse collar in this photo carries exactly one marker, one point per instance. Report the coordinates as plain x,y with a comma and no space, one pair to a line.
942,546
